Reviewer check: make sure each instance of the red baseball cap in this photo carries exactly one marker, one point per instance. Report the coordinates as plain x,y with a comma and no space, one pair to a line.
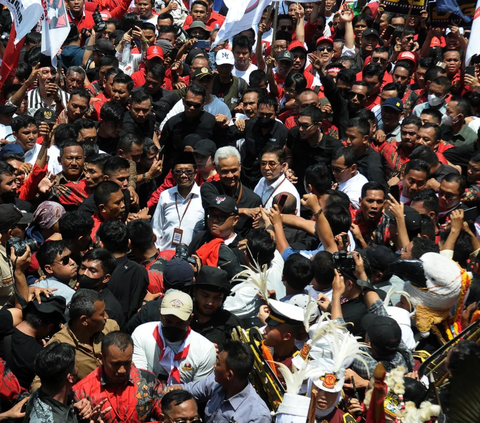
154,51
296,44
326,40
408,55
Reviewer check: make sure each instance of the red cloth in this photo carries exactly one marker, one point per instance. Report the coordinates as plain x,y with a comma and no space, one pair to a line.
215,18
10,388
137,401
10,58
155,274
208,252
98,102
139,79
86,21
29,189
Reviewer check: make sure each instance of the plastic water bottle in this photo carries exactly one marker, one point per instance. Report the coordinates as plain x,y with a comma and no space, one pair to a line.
126,53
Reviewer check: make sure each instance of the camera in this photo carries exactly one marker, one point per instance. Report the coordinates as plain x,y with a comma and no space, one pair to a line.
181,251
344,262
20,247
100,25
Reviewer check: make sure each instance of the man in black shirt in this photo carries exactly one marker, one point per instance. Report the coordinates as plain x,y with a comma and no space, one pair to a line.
307,145
129,280
228,164
95,272
192,120
138,119
25,342
153,85
369,162
110,126
259,132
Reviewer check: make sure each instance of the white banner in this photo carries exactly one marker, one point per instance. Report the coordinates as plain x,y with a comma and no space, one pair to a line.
55,28
242,15
473,47
25,14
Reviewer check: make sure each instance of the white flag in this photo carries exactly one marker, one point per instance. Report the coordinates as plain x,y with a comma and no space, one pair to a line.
242,15
473,47
25,13
55,28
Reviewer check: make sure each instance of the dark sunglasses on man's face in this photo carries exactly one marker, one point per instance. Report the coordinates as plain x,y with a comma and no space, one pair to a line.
194,105
286,28
352,95
65,260
322,48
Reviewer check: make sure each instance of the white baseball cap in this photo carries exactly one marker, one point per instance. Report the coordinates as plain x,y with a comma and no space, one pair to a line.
177,303
224,57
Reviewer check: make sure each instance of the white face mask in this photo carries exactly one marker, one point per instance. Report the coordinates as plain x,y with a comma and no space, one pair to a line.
448,120
435,101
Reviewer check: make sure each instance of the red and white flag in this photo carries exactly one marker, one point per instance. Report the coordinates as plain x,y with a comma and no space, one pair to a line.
11,57
473,47
55,28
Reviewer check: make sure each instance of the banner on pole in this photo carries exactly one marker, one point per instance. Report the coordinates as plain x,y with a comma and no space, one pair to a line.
55,28
445,19
25,15
403,6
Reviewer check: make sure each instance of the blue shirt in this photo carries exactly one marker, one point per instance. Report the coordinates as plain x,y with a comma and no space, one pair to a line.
244,407
63,290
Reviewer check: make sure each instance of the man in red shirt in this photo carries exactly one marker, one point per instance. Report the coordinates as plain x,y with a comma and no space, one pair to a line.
208,16
133,395
154,55
79,16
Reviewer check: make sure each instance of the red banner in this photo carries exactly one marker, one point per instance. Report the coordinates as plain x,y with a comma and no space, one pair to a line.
10,57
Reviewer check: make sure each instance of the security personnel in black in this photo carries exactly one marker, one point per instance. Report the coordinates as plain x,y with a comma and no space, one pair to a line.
210,289
259,132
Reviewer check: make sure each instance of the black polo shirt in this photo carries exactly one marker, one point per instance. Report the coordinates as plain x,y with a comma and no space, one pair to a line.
131,127
369,164
353,311
442,171
245,197
255,142
305,155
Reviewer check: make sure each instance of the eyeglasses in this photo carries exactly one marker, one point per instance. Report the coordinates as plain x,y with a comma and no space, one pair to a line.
336,169
90,139
64,260
279,48
194,105
322,48
352,95
446,195
180,172
182,420
299,56
304,126
271,165
286,28
379,59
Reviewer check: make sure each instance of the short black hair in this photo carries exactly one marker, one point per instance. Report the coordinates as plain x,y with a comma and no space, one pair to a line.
418,165
103,192
48,252
443,81
63,133
297,80
319,177
120,339
22,121
164,16
113,234
313,113
337,198
197,90
456,178
257,77
436,128
174,398
112,112
406,64
274,149
260,247
347,154
81,92
373,69
83,303
107,261
323,268
435,114
426,154
139,96
269,100
114,164
476,157
53,363
412,120
362,125
422,245
124,79
140,233
98,159
373,186
108,61
339,219
463,105
242,41
366,114
157,70
69,143
429,199
75,224
127,141
348,76
297,271
84,123
6,169
239,358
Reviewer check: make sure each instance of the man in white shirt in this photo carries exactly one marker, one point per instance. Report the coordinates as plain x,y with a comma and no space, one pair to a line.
273,164
169,348
349,179
179,214
242,51
204,77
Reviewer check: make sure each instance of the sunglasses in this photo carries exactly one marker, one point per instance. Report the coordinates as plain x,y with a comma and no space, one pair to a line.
180,172
64,260
352,95
194,105
286,28
322,48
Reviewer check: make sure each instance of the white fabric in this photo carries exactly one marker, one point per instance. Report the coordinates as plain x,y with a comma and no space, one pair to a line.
215,107
473,48
402,317
165,218
264,191
53,38
196,366
53,154
245,75
353,188
6,133
475,124
25,15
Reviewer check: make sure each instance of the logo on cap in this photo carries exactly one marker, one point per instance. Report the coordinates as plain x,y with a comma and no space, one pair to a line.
155,50
397,104
204,70
176,303
225,55
329,380
47,114
220,199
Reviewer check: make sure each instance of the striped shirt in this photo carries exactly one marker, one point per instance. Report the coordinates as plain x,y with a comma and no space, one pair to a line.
35,101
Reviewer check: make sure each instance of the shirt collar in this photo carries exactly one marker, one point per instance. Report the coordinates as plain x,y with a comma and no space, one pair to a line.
237,400
277,182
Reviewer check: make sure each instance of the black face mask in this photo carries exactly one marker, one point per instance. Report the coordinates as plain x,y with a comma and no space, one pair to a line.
9,197
173,334
266,122
87,282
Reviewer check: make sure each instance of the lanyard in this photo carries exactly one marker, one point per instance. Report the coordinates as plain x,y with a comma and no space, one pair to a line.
273,192
185,211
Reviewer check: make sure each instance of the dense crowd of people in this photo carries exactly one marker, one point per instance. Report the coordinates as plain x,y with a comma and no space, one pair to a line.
239,231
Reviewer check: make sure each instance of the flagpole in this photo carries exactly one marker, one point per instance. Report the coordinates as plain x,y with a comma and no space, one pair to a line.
275,21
